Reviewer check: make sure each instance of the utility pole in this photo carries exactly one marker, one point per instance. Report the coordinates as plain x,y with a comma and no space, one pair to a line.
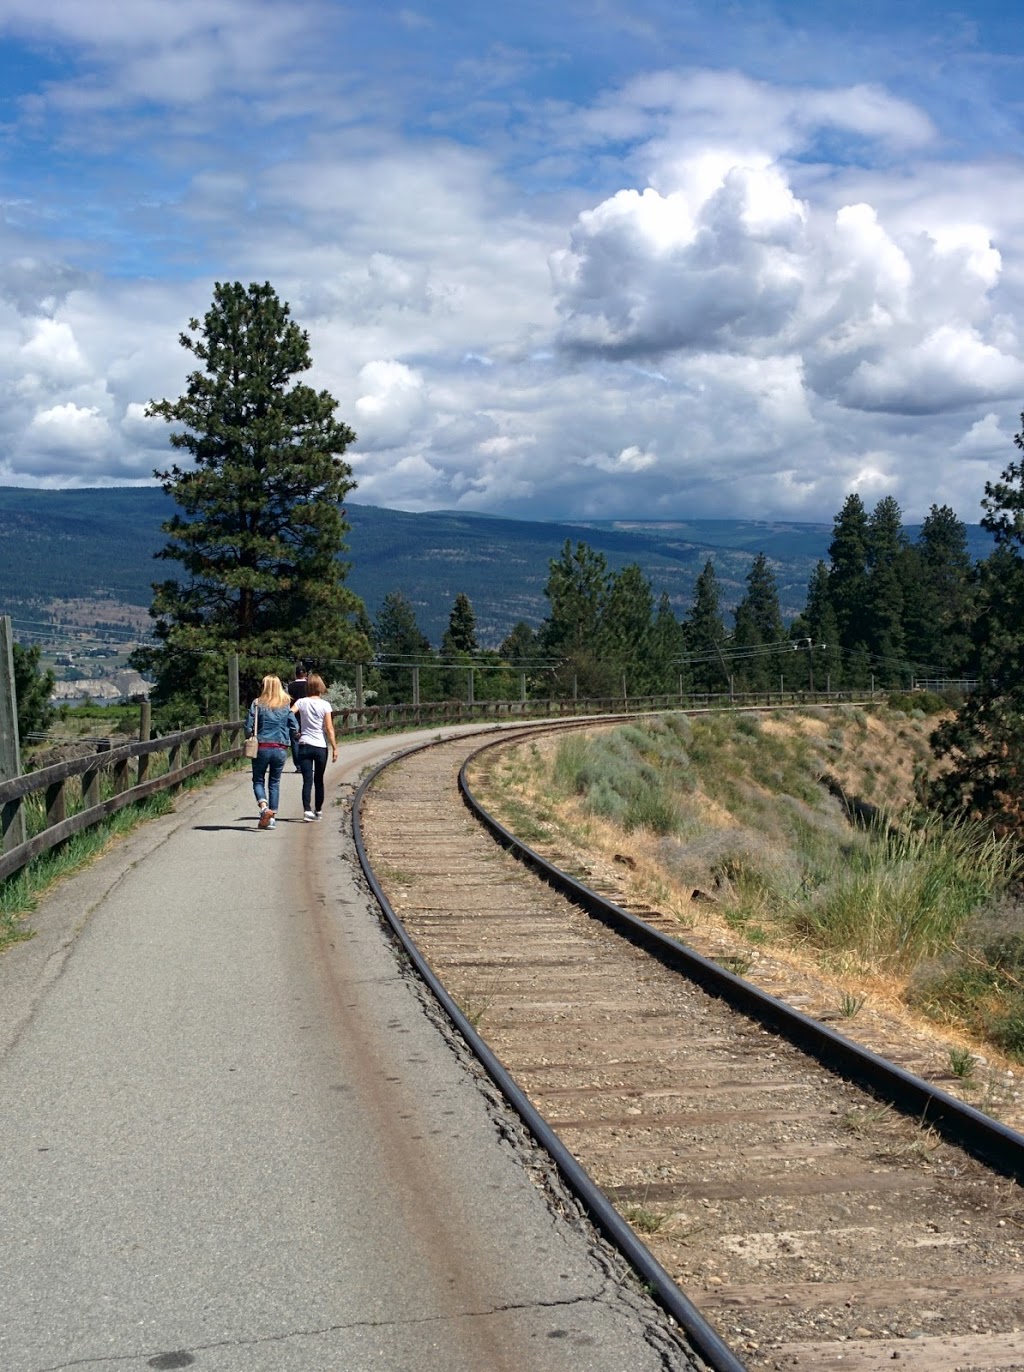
12,817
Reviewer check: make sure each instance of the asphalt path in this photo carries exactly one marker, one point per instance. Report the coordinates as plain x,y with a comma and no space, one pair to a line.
237,1135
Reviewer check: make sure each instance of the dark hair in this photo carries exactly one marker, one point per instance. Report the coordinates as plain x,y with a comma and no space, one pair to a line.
300,669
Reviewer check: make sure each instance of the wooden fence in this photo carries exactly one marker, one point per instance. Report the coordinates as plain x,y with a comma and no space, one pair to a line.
124,771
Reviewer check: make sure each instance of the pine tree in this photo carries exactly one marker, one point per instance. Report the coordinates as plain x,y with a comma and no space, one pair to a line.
670,671
458,644
460,636
939,627
819,626
847,578
262,523
401,645
519,646
983,746
625,628
32,691
758,627
886,547
704,633
576,589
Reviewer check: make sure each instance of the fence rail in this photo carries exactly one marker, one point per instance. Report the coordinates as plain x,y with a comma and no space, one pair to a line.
125,770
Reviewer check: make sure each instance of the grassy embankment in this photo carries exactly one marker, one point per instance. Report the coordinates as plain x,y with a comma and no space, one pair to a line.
737,820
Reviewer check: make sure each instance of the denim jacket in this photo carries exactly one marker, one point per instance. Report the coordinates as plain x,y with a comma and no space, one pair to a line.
276,726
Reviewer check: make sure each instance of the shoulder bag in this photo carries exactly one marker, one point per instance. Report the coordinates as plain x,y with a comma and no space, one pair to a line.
252,743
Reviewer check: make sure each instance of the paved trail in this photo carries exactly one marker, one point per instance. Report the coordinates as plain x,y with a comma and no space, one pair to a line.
237,1137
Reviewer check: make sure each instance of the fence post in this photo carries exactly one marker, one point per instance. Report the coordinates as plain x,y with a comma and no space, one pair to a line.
12,818
416,686
234,703
469,688
522,685
145,722
359,687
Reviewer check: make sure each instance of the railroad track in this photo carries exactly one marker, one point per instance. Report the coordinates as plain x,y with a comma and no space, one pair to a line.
808,1223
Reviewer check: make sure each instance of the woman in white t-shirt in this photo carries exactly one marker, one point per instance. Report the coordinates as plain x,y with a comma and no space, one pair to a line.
316,732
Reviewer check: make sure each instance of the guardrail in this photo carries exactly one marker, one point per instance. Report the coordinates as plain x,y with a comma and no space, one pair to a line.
124,771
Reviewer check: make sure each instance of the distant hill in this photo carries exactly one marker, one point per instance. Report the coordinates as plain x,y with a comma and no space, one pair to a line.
62,546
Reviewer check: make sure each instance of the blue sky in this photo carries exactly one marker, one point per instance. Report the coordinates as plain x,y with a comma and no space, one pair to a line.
589,259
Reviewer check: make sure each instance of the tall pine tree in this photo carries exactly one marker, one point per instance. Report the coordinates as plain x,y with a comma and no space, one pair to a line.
704,633
847,578
262,524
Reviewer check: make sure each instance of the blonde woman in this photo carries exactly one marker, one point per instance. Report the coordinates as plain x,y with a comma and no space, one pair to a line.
271,718
316,732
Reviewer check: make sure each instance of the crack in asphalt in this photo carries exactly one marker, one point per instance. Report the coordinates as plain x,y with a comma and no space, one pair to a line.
509,1308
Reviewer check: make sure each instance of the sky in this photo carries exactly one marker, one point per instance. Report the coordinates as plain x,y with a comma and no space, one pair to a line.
583,259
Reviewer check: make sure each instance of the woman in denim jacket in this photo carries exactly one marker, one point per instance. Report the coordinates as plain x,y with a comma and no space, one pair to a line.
271,716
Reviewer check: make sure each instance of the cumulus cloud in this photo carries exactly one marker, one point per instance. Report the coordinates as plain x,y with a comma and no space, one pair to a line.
391,406
69,428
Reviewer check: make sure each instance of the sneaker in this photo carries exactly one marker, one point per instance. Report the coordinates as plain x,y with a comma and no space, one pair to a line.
272,824
309,816
266,818
318,815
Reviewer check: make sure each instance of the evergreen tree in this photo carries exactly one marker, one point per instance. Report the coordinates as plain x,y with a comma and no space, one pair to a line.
848,570
519,646
759,626
886,546
939,627
983,745
625,630
704,633
670,672
402,645
817,625
458,644
262,523
576,589
460,636
32,691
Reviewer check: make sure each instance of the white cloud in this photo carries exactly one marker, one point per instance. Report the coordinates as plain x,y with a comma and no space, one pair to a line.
391,407
69,428
53,350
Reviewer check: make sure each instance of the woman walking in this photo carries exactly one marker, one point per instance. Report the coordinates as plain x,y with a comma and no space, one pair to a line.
316,732
272,721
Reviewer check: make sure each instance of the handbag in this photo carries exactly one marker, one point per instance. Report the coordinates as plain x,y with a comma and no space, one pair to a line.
252,743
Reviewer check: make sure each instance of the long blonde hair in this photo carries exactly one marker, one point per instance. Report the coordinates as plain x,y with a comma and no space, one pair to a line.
272,694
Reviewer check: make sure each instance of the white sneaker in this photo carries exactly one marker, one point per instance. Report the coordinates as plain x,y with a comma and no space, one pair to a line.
309,816
318,815
272,824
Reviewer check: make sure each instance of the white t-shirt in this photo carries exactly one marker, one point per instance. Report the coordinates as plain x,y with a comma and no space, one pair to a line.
312,711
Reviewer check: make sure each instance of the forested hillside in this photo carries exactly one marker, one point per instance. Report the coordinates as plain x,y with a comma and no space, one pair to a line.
65,545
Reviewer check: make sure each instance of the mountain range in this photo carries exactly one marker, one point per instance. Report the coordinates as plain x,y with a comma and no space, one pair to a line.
95,546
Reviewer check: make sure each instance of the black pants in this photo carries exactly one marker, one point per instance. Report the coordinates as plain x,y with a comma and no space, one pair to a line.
312,765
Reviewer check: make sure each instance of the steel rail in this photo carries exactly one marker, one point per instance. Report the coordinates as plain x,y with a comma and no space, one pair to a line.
706,1340
1000,1147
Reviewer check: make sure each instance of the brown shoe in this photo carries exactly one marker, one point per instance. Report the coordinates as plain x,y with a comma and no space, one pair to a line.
266,815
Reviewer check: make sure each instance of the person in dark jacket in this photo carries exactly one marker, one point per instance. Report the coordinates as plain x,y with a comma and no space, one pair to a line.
276,728
298,689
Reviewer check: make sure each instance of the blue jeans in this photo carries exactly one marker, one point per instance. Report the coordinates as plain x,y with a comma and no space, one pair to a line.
312,763
272,760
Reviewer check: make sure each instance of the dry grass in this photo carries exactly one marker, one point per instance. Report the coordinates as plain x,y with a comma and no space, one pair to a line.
739,817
